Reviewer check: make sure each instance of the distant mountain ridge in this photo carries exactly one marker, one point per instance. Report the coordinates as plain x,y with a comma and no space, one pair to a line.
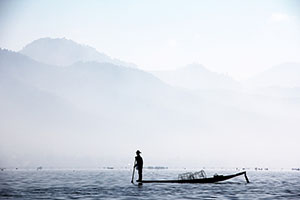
63,52
196,76
283,75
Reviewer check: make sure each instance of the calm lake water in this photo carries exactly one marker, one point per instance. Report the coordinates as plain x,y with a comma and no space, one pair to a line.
115,184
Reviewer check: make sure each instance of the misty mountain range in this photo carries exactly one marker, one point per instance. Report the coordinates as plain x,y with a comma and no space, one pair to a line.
196,76
56,88
283,75
65,52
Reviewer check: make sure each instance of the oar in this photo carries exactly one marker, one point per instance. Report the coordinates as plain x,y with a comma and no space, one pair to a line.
133,173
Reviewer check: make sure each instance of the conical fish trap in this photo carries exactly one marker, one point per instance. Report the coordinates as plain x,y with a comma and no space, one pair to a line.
192,175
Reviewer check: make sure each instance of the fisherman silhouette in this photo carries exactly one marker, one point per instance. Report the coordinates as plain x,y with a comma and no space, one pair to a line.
139,164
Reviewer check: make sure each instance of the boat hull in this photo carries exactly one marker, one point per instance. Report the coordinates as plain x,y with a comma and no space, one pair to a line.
214,179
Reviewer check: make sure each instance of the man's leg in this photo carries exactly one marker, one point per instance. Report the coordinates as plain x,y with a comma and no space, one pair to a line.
140,175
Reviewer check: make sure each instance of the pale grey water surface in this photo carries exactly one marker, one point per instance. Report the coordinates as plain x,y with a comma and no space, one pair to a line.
115,184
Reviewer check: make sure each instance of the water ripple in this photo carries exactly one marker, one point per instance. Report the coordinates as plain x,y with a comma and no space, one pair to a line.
114,184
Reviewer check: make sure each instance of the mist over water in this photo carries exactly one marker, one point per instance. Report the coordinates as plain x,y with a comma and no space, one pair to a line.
96,112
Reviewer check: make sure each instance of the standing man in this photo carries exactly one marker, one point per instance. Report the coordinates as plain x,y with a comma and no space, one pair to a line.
139,164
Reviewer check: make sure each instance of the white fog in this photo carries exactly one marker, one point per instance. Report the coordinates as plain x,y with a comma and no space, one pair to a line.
202,84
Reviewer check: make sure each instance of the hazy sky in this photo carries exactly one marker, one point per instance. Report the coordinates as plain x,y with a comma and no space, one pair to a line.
240,38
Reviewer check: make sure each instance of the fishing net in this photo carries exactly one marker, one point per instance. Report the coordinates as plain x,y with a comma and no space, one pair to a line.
192,175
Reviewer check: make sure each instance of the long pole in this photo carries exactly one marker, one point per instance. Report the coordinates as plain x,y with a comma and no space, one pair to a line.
133,173
247,180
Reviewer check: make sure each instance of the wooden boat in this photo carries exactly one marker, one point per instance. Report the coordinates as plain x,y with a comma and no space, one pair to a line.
214,179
